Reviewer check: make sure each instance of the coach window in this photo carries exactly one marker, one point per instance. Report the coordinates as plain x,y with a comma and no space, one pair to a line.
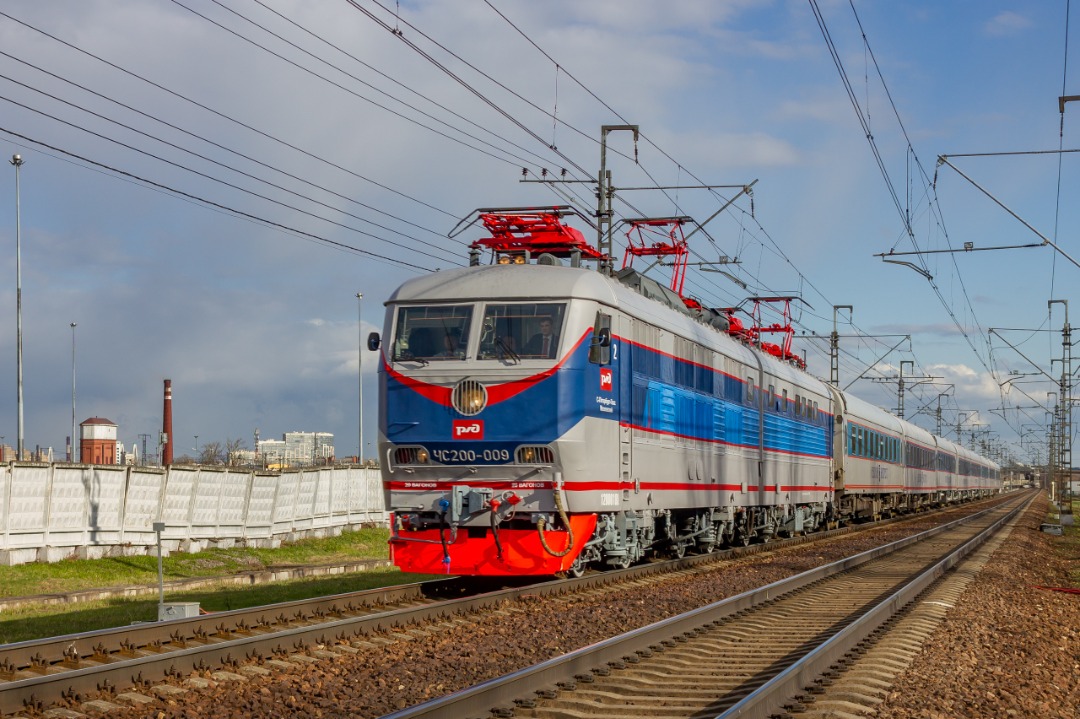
435,332
513,332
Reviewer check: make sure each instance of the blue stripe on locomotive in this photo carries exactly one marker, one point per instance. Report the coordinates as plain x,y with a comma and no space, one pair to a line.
682,398
657,392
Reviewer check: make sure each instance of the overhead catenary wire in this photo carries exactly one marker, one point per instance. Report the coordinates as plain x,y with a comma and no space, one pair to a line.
515,159
904,215
380,73
775,248
211,203
224,116
759,237
461,81
210,160
218,180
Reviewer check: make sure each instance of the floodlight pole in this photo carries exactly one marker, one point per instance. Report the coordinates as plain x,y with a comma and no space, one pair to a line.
360,372
72,457
159,527
17,161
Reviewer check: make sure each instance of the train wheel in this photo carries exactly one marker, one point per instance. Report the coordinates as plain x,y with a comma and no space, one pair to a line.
577,569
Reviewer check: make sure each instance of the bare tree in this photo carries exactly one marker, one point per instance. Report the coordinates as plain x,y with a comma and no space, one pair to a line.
211,453
232,446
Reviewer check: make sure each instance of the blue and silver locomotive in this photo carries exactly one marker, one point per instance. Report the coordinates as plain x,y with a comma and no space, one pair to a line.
538,417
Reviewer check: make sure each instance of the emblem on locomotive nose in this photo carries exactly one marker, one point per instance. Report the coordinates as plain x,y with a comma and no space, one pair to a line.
605,379
468,429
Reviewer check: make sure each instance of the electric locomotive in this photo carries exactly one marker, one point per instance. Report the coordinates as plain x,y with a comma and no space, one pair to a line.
538,417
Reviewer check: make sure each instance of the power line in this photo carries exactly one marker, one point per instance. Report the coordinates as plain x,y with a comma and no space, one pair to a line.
347,90
461,81
226,117
211,177
380,73
210,160
218,205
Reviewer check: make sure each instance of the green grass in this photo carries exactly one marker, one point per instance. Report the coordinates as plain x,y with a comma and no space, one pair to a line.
37,621
75,574
34,621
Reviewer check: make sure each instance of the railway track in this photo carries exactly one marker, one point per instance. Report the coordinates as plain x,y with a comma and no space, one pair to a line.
40,673
746,656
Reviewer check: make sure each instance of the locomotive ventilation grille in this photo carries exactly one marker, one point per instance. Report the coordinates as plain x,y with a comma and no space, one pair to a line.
534,455
469,397
410,455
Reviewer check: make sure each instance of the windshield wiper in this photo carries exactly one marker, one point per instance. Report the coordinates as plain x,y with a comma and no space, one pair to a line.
409,358
502,345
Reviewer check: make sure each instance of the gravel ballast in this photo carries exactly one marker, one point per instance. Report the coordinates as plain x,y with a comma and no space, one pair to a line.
1008,648
1005,648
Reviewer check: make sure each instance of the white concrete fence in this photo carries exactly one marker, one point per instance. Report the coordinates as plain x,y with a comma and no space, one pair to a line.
50,512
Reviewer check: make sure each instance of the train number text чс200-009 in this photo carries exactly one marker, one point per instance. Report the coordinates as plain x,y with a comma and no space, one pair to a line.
470,456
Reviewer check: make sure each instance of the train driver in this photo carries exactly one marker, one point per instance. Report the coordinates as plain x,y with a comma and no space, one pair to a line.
543,343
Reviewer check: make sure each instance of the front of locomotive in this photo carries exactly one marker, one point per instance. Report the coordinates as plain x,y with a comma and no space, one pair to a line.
482,377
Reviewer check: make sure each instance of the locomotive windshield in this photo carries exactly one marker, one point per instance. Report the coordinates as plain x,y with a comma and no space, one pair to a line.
438,332
521,331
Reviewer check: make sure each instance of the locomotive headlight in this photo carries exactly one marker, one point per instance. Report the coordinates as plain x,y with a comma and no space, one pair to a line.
422,456
469,397
528,455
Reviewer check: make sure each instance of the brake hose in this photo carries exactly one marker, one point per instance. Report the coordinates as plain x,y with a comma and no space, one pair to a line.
442,538
495,526
569,530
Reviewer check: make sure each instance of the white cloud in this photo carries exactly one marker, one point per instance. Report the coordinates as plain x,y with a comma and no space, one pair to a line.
1006,23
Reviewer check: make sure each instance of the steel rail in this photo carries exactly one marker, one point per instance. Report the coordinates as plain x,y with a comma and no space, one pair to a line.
86,662
768,699
549,676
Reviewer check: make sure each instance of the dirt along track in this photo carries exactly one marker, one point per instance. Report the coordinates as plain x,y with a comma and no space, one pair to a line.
388,670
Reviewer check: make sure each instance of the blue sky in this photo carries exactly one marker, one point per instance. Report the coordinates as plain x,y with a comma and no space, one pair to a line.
323,185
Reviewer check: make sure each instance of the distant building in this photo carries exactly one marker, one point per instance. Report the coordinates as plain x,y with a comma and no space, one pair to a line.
97,441
37,454
272,452
294,449
305,448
